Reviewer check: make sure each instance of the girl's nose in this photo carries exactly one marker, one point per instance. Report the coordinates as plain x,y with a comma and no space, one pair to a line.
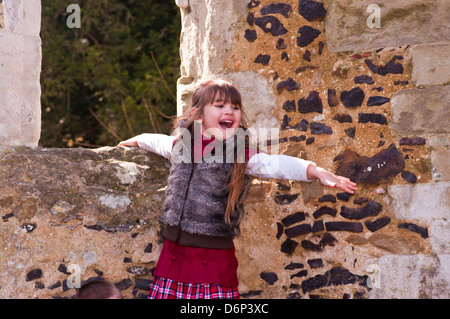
228,109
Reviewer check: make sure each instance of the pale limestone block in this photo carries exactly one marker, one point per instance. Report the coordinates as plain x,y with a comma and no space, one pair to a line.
440,155
431,64
410,277
31,17
13,15
403,22
425,201
421,111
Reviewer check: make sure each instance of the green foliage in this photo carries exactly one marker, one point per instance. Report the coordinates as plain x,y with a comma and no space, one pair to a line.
102,82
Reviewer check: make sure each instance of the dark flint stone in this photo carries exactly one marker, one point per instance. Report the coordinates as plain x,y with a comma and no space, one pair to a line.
293,218
383,166
298,230
332,98
378,88
288,246
319,128
413,227
294,295
307,35
343,196
285,199
269,277
315,263
280,229
285,123
276,27
280,44
62,268
364,79
288,85
124,284
360,200
310,140
293,266
327,198
148,248
372,208
37,284
142,284
251,293
250,35
311,10
321,45
251,19
55,285
302,273
304,68
297,138
343,118
307,56
34,274
412,141
301,126
316,282
409,177
312,103
283,187
344,226
253,3
351,131
283,8
324,210
377,224
263,59
352,98
284,56
401,82
7,216
372,118
317,226
327,240
377,100
308,245
390,67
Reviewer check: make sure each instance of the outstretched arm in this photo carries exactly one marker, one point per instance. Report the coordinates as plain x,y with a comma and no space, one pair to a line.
160,144
292,168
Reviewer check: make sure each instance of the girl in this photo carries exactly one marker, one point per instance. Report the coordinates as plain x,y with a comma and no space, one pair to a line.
203,204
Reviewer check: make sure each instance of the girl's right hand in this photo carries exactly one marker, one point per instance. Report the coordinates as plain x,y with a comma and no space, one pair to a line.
129,143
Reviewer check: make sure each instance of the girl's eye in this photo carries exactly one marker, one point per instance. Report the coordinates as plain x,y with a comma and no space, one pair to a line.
219,106
236,107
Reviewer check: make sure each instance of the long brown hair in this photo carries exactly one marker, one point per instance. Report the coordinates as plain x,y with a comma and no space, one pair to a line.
206,93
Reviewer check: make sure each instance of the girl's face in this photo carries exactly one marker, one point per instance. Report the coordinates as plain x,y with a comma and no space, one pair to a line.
221,119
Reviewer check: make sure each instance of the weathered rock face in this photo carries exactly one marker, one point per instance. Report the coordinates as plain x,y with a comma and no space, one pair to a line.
96,209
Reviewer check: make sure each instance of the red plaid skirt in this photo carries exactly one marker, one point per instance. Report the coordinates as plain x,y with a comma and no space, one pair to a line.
163,288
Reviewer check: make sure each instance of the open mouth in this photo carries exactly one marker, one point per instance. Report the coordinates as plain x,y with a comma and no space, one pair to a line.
226,124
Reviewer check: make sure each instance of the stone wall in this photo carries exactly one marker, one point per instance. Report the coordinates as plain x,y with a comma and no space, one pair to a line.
20,68
368,103
371,104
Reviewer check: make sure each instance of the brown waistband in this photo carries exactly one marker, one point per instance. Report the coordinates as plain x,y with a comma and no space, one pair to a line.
181,237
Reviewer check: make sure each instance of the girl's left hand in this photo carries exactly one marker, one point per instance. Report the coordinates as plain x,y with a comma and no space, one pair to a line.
331,180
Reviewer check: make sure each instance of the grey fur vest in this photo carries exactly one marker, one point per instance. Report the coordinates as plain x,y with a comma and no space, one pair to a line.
196,198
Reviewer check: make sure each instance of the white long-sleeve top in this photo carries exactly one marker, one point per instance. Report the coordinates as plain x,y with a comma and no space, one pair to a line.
261,165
